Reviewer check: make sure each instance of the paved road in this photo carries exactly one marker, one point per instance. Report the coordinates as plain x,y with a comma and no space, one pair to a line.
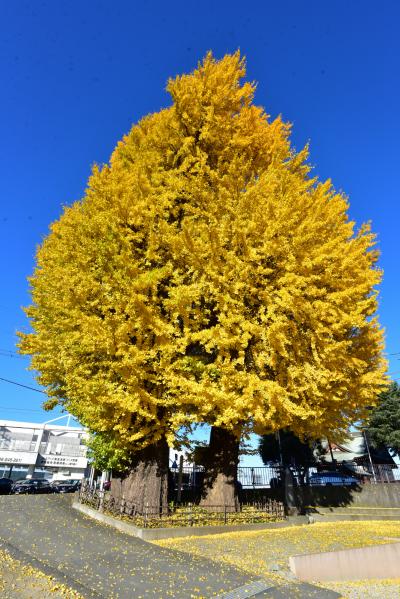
100,562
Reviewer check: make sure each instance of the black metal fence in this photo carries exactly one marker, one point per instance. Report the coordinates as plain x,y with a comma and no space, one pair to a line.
267,476
272,476
186,483
192,477
188,514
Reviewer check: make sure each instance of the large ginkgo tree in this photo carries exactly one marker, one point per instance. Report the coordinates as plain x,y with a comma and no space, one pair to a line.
206,277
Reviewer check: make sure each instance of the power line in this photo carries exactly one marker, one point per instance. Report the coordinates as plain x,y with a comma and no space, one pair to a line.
20,409
21,385
9,353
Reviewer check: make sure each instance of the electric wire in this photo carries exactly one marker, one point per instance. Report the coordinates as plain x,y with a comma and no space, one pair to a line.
20,409
21,385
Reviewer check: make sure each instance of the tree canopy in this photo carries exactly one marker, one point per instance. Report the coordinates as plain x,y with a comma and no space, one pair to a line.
384,424
206,276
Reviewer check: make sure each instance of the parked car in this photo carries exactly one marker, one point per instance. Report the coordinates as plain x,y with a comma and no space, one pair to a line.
106,484
332,479
32,486
5,486
358,471
65,486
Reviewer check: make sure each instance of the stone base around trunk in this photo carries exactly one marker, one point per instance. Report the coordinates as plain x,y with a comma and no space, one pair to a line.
153,534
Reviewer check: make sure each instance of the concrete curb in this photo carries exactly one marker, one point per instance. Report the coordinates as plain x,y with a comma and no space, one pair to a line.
350,518
153,534
360,563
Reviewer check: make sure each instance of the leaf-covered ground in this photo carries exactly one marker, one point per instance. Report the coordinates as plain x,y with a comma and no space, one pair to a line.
24,582
98,560
267,552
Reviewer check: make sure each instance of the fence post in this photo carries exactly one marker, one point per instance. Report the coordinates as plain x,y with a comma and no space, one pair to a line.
387,473
190,515
194,477
101,500
122,506
180,476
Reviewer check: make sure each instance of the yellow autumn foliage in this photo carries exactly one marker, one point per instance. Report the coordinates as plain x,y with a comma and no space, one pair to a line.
206,276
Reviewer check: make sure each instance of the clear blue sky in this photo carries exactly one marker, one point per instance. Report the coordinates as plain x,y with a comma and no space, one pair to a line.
76,75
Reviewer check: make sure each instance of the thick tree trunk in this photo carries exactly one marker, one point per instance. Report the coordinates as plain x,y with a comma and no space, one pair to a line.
220,480
145,486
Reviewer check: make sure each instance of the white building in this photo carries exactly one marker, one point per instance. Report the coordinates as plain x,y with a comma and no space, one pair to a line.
47,450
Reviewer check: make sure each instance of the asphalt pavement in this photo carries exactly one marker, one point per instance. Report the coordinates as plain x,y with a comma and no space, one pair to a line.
101,562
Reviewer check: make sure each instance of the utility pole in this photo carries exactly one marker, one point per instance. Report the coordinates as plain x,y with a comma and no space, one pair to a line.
278,436
331,452
369,455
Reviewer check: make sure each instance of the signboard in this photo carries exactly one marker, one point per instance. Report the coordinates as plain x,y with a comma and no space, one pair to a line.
26,458
62,461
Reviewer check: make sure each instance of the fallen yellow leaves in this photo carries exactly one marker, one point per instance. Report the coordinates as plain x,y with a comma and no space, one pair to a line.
266,553
370,589
22,581
196,516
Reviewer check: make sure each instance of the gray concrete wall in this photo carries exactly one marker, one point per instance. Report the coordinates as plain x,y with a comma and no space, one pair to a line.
378,561
368,495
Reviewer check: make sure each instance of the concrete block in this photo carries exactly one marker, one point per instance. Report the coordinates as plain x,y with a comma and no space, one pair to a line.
377,561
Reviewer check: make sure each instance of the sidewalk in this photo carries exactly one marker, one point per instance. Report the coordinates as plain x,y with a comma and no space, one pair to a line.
100,562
